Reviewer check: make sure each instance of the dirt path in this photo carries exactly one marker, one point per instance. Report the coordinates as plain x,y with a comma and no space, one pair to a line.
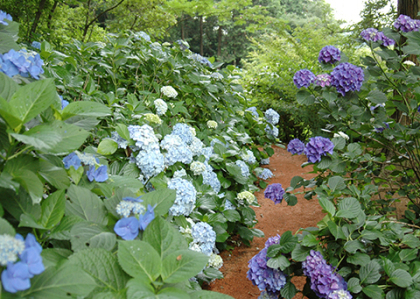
273,219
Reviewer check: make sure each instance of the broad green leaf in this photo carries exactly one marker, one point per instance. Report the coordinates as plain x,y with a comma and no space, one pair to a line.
327,206
303,97
288,291
411,240
348,207
353,245
182,264
300,253
369,273
278,262
62,283
377,97
163,237
232,215
85,235
6,228
56,176
122,130
336,183
139,259
374,292
310,240
407,255
7,86
336,230
358,258
140,289
53,209
62,231
163,199
31,183
27,220
401,278
86,205
411,294
103,266
18,203
9,115
42,137
52,256
85,108
208,295
353,285
107,147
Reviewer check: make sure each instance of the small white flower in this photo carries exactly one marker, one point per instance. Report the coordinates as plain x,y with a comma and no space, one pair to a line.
341,134
198,167
161,106
248,196
169,91
409,62
211,124
215,261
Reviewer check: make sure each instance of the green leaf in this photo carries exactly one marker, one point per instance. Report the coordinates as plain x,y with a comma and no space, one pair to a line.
163,199
411,294
182,264
407,255
7,86
377,97
358,258
27,220
122,130
336,183
300,253
56,176
139,259
85,235
103,266
411,241
53,256
203,294
86,205
232,215
53,209
287,242
310,240
348,207
353,245
369,273
295,181
62,283
140,289
163,237
278,262
6,228
107,147
353,285
329,96
374,292
85,108
42,137
327,206
31,183
62,231
9,115
288,291
303,97
336,230
401,278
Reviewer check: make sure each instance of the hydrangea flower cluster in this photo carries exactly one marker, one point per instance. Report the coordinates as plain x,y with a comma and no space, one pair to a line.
217,76
168,91
265,161
128,227
329,54
5,16
229,205
325,281
303,78
64,103
253,110
122,143
406,24
153,118
317,147
183,45
211,124
323,80
204,237
247,196
198,167
144,136
96,171
244,168
16,277
201,59
36,45
143,35
272,116
215,261
265,278
295,146
210,178
161,106
176,150
266,174
274,192
274,132
184,131
185,197
22,63
347,77
248,156
373,35
196,147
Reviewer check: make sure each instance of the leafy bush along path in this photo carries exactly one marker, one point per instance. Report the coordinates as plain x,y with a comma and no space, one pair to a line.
272,220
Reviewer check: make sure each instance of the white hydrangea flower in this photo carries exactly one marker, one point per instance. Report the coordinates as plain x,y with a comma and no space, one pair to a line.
341,134
240,113
153,118
169,91
211,124
161,106
10,248
166,44
197,167
248,196
192,130
217,76
215,261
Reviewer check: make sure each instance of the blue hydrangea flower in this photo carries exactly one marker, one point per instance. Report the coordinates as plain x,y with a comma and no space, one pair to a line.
32,257
180,173
36,45
329,54
185,197
207,152
406,24
99,174
143,35
229,206
10,248
248,157
161,106
146,218
196,147
244,167
72,160
265,161
347,77
151,162
16,277
274,192
266,174
122,143
177,150
183,45
272,116
201,59
127,228
323,80
264,277
144,136
317,147
87,159
210,178
272,131
253,110
130,205
5,16
303,78
184,131
22,62
295,146
204,236
31,242
64,103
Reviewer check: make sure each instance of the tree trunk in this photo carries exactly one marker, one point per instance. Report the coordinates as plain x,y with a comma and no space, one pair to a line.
219,42
408,8
51,13
201,37
37,17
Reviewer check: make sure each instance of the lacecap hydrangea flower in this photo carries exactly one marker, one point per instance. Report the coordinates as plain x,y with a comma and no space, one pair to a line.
373,35
329,54
247,196
347,77
406,24
96,171
211,124
266,174
5,16
274,192
185,197
168,91
323,80
272,116
303,78
10,249
317,147
204,237
295,146
22,63
161,106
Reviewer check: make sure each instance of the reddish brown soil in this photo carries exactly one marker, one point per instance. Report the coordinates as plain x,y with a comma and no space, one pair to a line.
272,220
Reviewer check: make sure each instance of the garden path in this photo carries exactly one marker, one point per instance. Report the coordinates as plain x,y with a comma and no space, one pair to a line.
272,220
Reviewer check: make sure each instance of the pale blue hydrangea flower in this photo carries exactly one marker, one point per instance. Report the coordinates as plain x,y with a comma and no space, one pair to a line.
177,150
5,16
229,205
87,159
10,248
144,136
143,35
253,110
196,146
128,206
151,162
210,178
180,173
197,167
204,235
248,157
274,132
185,197
122,143
184,131
217,76
265,161
244,167
207,152
272,116
161,106
266,174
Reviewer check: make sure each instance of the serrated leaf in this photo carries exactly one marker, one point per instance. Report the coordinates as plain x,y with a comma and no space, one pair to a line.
369,273
374,292
288,291
358,258
53,209
407,255
300,253
336,183
7,86
303,97
353,245
85,235
401,278
411,241
310,240
327,206
353,285
6,228
348,207
163,199
85,108
278,262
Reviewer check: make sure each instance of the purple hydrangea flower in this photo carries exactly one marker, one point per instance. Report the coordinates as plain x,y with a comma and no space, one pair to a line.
16,277
272,241
347,77
99,175
406,24
329,54
303,78
381,129
295,146
323,80
127,228
145,219
316,147
264,277
340,294
386,40
268,295
373,35
274,192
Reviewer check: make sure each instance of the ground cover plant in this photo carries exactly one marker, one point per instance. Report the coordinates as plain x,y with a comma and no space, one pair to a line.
368,161
125,167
